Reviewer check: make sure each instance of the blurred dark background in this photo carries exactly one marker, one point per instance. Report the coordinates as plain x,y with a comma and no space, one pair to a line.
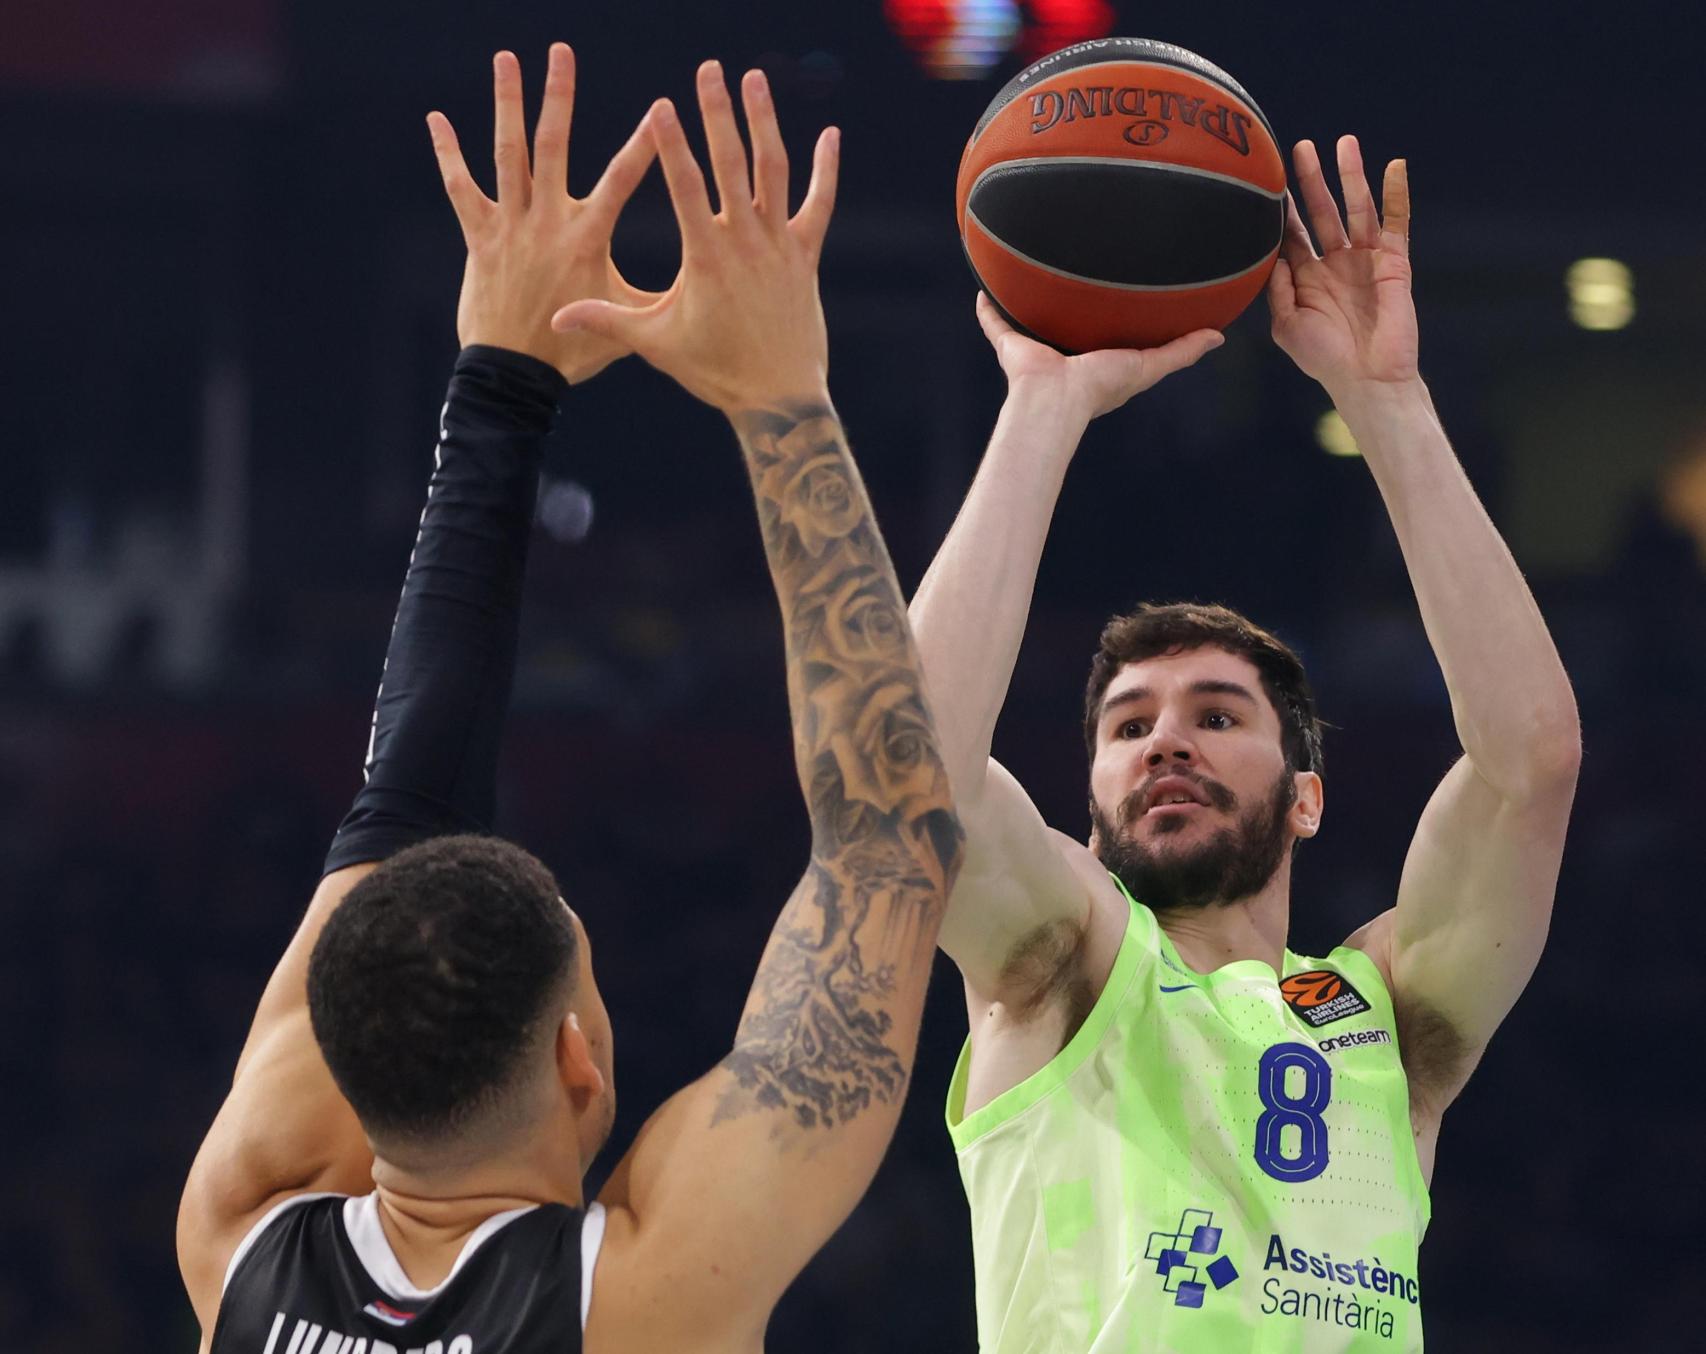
227,289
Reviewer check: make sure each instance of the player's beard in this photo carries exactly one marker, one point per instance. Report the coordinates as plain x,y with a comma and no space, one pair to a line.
1233,864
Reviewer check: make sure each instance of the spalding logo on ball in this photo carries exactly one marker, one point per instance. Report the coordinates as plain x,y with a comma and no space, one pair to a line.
1120,193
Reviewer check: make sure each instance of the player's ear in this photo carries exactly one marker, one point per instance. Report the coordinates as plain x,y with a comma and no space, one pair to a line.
576,1069
1305,813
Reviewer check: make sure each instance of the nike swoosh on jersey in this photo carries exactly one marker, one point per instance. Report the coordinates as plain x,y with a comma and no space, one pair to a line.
1188,987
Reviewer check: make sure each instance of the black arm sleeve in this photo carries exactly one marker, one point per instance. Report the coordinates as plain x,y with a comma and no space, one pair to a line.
432,762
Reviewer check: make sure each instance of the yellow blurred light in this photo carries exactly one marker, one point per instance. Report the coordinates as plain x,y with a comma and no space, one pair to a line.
1602,293
1335,438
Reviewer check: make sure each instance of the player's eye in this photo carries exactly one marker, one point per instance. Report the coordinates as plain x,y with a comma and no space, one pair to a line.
1132,728
1218,719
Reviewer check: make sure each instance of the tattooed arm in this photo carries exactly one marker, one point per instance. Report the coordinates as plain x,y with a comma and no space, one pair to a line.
844,973
735,1183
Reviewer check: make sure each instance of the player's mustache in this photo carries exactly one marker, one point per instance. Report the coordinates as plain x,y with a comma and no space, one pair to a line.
1218,795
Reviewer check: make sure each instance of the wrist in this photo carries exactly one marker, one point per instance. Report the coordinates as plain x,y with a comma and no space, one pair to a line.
505,388
778,397
1393,424
1361,400
1056,402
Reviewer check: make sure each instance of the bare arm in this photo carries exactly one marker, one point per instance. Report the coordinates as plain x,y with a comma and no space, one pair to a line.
743,1176
1475,898
734,1184
969,615
284,1128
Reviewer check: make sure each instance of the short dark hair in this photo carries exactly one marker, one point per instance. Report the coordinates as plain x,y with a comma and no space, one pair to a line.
434,979
1157,628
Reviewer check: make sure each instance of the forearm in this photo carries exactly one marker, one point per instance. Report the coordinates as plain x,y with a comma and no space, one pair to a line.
969,613
863,732
432,762
821,1033
1511,698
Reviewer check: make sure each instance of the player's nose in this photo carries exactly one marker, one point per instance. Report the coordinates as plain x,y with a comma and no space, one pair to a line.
1169,743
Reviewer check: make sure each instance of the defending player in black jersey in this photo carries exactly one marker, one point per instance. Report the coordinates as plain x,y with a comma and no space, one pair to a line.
398,1165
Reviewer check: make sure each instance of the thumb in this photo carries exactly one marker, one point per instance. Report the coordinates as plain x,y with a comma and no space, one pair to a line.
994,327
619,324
1181,353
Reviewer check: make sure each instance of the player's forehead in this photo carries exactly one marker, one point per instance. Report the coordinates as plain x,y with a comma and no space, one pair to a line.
1185,673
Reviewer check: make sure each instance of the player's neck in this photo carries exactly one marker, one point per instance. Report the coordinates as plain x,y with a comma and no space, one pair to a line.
1256,927
429,1214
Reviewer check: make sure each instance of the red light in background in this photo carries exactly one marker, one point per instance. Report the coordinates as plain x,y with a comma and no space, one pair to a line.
955,39
1053,24
921,24
963,39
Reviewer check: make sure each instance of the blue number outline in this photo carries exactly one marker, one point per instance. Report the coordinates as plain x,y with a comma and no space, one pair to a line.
1304,1112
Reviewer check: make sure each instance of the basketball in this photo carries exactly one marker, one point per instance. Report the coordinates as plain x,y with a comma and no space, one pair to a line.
1121,193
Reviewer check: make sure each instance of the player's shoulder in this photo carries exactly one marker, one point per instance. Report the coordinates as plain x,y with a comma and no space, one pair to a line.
644,1289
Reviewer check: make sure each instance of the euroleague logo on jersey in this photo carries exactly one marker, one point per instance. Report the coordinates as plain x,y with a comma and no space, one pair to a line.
1321,996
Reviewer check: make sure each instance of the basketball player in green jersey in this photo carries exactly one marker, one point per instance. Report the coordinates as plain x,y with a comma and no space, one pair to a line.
1176,1134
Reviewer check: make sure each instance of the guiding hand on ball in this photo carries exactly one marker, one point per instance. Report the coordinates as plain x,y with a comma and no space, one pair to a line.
1096,382
1345,315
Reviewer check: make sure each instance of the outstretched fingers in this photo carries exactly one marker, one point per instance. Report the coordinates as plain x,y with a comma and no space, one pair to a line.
1361,215
1318,199
1282,292
509,133
551,134
722,137
769,155
681,172
466,199
1395,199
624,173
811,222
1295,246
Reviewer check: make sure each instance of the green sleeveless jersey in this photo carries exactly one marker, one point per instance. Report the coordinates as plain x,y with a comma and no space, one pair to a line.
1215,1162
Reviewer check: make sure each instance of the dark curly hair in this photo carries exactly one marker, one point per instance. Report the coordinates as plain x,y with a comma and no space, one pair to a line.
1157,628
434,979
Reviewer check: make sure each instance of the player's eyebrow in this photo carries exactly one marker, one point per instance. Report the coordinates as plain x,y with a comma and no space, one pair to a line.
1209,686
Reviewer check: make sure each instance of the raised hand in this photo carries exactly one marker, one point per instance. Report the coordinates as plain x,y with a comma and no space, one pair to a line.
1097,382
741,327
1345,315
536,248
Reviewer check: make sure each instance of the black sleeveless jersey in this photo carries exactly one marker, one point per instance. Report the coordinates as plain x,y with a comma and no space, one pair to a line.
305,1285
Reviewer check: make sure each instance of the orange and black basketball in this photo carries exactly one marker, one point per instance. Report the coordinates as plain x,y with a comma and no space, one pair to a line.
1120,193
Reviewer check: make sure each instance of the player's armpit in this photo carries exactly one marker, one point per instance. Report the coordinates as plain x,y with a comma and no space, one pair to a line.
284,1127
1474,907
1019,915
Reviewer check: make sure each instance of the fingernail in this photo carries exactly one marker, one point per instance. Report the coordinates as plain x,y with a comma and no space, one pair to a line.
666,112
